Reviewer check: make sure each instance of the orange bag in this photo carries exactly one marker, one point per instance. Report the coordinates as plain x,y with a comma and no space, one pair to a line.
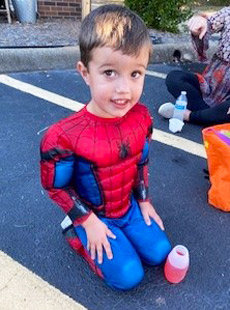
217,145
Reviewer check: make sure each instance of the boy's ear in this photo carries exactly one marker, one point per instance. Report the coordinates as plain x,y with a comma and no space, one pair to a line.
83,71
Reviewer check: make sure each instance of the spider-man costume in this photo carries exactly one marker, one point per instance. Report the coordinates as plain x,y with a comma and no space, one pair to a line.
93,164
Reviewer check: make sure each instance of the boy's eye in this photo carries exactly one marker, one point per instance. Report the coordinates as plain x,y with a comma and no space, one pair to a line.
109,73
136,74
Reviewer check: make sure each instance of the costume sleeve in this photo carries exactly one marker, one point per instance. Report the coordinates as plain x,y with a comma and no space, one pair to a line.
141,184
56,167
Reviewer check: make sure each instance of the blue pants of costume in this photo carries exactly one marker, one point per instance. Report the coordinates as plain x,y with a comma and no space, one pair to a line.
135,242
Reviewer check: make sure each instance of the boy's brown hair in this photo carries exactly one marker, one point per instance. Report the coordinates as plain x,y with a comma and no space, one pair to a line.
114,26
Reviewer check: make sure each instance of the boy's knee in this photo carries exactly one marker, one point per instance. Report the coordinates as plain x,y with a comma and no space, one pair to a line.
160,253
128,276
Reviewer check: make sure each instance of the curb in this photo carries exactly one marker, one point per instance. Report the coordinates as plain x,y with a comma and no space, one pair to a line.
165,52
39,59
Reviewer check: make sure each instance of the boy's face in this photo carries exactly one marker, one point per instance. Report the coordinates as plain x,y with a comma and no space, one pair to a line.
115,80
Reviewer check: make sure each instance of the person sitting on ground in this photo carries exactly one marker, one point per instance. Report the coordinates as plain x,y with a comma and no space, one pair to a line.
94,164
208,93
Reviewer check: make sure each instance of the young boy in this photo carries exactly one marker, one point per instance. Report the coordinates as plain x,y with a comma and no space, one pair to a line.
94,164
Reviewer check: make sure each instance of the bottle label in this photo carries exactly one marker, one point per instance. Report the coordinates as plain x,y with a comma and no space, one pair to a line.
179,107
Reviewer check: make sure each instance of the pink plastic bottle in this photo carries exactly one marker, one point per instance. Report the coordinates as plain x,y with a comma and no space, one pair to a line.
177,264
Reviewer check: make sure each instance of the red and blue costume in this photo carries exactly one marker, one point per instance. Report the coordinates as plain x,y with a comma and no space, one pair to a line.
93,164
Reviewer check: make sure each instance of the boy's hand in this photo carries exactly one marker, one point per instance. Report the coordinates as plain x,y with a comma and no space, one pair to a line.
97,233
198,26
149,212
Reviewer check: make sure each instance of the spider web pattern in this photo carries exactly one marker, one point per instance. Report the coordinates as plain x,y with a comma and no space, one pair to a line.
110,173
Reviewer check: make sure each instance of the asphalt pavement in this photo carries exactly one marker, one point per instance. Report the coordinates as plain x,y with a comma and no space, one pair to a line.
30,230
30,223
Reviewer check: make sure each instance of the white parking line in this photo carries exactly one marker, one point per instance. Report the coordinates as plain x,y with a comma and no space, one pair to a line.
156,74
158,135
21,289
41,93
179,143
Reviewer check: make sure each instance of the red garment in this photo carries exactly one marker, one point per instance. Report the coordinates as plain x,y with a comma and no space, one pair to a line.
95,164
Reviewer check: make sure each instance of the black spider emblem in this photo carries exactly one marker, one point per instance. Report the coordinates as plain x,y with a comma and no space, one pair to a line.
124,149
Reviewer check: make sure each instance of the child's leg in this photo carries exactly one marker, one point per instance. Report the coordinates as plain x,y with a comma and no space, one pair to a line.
150,242
177,81
212,116
125,270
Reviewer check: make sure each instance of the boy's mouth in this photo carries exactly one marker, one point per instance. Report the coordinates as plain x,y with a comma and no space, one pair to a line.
120,102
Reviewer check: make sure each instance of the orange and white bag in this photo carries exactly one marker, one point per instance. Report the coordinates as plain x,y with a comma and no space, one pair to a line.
217,145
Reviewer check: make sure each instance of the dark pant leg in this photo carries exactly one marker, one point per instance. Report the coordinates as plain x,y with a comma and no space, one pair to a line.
177,81
212,116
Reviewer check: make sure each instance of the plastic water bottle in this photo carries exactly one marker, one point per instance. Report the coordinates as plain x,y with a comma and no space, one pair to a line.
176,122
180,106
177,264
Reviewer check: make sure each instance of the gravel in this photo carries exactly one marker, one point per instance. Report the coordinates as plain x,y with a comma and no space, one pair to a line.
59,32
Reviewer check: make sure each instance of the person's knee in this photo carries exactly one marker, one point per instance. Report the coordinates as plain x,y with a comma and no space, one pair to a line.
173,78
169,78
128,276
160,253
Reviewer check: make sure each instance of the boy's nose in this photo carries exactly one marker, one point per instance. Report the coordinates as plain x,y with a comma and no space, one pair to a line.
122,85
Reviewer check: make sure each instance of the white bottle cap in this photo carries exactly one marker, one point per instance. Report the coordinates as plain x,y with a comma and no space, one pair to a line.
184,92
179,257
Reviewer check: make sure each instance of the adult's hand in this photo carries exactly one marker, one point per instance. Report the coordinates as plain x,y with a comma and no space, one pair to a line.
198,26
